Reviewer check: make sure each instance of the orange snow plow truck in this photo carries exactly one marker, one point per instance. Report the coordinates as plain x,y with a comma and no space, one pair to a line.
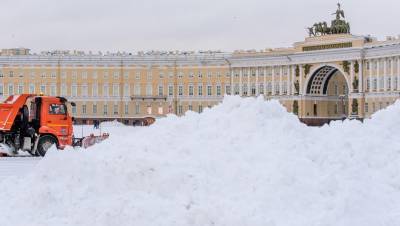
34,123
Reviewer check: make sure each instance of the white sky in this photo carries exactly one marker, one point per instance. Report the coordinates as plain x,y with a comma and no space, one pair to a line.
133,25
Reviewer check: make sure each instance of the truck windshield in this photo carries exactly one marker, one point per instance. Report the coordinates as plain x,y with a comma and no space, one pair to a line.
57,109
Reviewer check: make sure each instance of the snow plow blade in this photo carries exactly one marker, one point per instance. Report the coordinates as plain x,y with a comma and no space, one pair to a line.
91,140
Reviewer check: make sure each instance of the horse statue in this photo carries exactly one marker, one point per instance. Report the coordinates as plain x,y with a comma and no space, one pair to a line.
311,31
325,28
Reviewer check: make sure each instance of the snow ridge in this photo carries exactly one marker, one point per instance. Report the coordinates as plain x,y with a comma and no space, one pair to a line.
244,162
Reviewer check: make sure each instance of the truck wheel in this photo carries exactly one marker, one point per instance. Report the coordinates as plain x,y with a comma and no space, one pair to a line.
45,144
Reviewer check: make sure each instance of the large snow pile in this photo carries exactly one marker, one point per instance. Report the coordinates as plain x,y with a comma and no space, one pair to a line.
243,162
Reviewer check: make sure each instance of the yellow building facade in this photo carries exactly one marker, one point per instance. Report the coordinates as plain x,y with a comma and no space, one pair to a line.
324,77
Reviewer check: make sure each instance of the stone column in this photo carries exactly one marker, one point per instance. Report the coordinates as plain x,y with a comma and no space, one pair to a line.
248,82
301,80
377,75
265,81
392,75
273,81
361,76
232,86
371,82
240,82
257,85
293,79
398,73
385,74
351,88
280,80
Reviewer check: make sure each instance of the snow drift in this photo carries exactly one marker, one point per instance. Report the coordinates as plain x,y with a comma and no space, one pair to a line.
243,162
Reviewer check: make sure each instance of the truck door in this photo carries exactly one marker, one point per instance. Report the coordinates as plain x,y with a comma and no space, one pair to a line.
55,119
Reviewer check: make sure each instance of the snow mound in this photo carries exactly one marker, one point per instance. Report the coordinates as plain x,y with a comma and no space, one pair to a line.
243,162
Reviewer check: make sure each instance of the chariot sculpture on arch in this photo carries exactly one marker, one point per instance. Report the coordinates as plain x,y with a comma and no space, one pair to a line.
338,25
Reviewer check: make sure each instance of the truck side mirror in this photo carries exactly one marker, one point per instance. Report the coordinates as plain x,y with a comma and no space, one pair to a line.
73,104
73,119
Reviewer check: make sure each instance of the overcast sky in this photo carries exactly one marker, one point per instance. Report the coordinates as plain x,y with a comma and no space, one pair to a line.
133,25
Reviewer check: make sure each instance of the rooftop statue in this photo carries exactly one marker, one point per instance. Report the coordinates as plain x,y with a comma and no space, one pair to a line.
339,12
338,26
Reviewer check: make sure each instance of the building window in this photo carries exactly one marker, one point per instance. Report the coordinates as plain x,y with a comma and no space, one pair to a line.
149,90
389,83
105,90
137,90
94,109
137,108
1,90
126,109
1,74
74,75
105,75
236,89
94,75
366,107
137,75
84,90
244,89
105,109
84,109
160,90
200,74
63,89
228,89
180,90
209,74
284,88
63,75
74,90
74,110
170,90
253,89
277,85
190,90
161,75
149,75
126,90
200,90
209,90
180,109
53,90
116,75
368,84
381,79
10,89
11,74
200,108
43,88
21,89
84,75
190,107
115,108
95,90
149,110
191,74
261,89
218,90
115,90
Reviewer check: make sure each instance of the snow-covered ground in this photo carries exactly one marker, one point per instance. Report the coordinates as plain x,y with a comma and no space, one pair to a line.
243,162
17,167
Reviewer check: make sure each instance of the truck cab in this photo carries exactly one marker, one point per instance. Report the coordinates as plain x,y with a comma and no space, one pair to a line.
34,123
